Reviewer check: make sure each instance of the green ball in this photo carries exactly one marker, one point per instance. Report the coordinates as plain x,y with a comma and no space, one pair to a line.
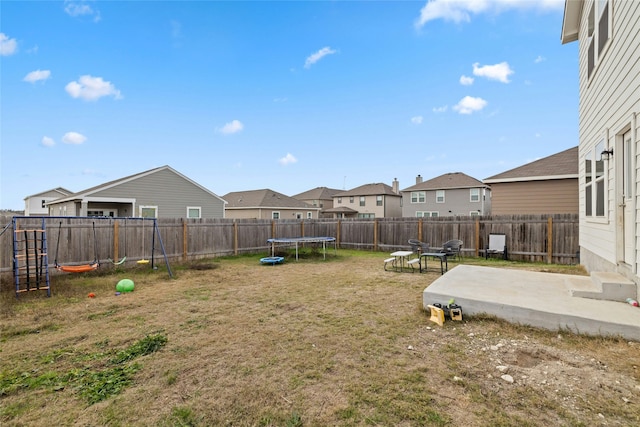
125,285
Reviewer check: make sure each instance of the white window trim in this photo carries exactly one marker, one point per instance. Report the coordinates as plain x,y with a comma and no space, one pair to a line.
274,213
309,215
199,212
595,37
443,196
418,198
594,154
471,195
142,207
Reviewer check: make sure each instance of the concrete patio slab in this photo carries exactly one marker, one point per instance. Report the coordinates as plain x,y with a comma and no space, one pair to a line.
534,298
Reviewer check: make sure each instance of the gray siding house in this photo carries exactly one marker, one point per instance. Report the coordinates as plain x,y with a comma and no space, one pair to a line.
267,204
545,186
451,194
36,204
157,193
321,197
368,201
608,66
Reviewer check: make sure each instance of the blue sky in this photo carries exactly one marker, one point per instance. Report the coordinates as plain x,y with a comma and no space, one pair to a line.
281,95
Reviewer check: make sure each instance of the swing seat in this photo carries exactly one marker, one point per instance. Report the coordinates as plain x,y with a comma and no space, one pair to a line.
119,262
78,268
143,261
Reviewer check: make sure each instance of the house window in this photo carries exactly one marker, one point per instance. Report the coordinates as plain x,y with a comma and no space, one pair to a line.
426,214
474,213
148,211
43,202
594,194
339,200
418,196
351,199
378,200
474,194
194,212
309,215
440,196
598,31
362,200
366,215
275,215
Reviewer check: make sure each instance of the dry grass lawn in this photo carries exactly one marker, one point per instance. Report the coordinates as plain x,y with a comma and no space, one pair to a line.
230,342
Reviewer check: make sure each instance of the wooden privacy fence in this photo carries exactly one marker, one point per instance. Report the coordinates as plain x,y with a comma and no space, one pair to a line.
545,238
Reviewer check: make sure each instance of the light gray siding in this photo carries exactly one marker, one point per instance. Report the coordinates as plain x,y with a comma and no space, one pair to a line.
170,192
457,202
609,104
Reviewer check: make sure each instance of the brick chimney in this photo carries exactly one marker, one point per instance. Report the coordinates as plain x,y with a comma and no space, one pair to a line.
418,179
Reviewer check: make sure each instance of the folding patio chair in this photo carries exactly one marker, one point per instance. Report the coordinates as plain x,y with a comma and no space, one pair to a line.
497,246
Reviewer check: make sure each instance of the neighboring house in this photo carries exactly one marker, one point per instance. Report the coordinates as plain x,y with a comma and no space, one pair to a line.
157,193
321,197
545,186
368,201
451,194
35,205
609,81
267,204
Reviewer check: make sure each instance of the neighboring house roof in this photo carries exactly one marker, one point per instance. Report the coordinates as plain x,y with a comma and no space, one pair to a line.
561,165
58,190
265,198
318,193
447,180
341,209
116,182
376,189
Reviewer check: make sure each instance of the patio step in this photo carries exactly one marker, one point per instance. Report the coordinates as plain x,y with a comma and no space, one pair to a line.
607,286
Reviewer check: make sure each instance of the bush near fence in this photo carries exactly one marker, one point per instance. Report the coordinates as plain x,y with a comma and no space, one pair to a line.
537,238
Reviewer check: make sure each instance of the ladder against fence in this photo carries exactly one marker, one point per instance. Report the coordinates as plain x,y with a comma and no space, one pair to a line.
30,259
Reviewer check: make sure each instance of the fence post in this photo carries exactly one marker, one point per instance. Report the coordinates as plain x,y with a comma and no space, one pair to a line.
549,240
116,240
338,233
375,234
477,231
420,229
302,228
235,237
273,228
184,240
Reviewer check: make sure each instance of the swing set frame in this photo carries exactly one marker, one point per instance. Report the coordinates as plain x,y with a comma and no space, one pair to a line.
18,257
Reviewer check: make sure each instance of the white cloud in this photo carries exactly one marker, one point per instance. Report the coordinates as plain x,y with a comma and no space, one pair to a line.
7,46
315,57
461,10
539,59
233,126
466,81
469,104
288,159
499,72
442,109
48,142
80,8
416,120
73,138
37,75
92,88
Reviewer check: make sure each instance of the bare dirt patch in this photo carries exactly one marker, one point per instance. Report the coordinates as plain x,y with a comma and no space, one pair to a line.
314,343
